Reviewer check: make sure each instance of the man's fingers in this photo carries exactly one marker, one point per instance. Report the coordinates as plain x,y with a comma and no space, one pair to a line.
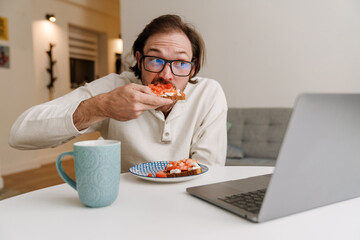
153,100
147,97
142,88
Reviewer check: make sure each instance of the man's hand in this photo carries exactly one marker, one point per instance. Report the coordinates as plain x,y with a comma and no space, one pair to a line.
122,104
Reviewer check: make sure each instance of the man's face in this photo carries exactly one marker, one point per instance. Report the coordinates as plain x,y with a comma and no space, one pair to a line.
169,46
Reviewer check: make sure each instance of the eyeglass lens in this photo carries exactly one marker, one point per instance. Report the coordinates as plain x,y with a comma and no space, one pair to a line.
178,67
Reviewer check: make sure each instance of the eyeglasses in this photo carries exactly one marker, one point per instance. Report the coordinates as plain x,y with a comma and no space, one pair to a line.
179,68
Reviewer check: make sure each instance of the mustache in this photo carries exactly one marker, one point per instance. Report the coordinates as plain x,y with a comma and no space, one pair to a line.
161,81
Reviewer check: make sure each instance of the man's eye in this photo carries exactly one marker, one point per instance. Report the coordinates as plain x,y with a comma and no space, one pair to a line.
155,62
180,64
158,61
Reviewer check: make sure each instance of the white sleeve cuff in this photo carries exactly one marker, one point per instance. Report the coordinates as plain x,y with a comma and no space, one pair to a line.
70,126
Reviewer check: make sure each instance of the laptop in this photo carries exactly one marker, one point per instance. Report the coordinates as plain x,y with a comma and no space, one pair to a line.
318,163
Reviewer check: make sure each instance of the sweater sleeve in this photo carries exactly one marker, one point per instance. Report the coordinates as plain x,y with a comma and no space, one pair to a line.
210,138
45,125
51,124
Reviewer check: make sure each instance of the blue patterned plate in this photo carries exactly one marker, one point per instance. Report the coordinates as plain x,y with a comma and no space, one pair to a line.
143,169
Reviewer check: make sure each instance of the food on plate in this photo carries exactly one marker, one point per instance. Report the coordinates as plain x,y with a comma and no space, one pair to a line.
180,168
167,91
160,174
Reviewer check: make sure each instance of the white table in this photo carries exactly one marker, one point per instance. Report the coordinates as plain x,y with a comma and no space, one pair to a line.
148,210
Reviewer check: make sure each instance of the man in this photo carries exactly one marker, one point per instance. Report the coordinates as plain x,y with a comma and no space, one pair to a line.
123,107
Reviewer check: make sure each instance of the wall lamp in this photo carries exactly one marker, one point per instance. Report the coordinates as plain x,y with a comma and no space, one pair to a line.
50,17
118,51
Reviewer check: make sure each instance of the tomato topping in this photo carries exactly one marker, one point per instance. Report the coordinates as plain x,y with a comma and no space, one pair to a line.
168,168
150,175
184,168
182,165
160,174
160,89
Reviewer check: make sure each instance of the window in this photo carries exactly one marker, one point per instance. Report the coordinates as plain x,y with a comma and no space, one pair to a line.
84,59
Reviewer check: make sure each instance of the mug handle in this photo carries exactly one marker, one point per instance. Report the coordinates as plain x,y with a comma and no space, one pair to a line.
61,171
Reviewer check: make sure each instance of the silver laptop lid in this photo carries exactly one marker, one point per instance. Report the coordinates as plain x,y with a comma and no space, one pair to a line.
319,161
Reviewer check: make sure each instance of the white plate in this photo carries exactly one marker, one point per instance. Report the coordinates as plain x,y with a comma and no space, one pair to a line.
143,169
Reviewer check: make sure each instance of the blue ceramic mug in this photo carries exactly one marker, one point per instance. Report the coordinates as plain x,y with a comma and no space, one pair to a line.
97,171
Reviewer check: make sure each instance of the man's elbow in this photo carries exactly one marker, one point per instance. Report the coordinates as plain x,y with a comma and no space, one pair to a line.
19,142
16,143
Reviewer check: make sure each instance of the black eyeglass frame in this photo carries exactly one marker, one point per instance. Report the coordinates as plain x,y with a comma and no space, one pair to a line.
170,62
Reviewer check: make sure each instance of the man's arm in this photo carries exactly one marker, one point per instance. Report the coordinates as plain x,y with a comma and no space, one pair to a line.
56,122
122,104
209,143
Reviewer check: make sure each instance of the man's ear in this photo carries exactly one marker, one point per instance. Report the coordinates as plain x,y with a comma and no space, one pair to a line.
138,59
193,70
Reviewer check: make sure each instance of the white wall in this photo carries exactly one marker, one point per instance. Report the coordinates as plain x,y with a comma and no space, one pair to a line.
68,12
16,83
264,53
24,84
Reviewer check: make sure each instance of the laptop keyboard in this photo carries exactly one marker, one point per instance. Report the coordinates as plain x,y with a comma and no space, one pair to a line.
250,201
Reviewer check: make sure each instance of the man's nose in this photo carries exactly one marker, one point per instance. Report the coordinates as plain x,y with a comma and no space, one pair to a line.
166,72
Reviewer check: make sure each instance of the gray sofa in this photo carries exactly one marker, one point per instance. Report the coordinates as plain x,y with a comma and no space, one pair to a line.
255,135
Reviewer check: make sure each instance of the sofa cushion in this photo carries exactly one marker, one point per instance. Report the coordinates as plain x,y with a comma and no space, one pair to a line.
250,162
234,151
228,125
259,131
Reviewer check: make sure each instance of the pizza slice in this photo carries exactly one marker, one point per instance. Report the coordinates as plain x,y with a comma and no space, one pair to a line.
167,91
180,168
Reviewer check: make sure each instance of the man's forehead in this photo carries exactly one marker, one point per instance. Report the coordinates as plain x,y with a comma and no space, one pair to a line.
158,50
175,43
